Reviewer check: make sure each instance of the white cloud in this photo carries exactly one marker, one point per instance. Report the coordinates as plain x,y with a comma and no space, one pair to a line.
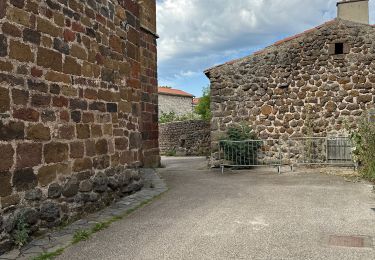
195,34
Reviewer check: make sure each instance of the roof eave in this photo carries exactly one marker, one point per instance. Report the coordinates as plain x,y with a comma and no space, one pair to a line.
171,94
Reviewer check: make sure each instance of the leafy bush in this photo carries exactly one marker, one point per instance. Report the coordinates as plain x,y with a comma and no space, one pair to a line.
364,148
240,153
203,108
167,117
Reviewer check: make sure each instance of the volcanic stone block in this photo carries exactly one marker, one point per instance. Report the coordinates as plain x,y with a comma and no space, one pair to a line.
20,97
28,155
4,100
27,114
70,188
47,27
102,162
100,182
56,152
83,131
135,140
49,211
101,146
77,150
82,164
54,191
20,51
47,173
61,46
24,179
34,194
85,186
3,46
6,161
6,187
11,130
71,66
31,36
49,59
10,200
38,132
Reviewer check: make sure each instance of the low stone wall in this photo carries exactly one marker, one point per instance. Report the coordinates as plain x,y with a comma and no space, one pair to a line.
56,204
185,138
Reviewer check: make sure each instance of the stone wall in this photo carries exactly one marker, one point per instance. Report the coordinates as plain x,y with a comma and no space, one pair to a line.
178,104
298,82
78,107
185,138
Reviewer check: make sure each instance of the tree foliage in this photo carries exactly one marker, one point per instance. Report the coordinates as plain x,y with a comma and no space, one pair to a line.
203,107
364,147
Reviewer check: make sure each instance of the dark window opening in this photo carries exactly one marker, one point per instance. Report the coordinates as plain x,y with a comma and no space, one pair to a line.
339,48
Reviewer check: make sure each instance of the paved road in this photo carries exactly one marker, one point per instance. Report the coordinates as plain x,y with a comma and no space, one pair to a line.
242,215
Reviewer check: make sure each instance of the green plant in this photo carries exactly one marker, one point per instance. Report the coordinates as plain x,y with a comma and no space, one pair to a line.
81,235
170,153
203,108
167,117
100,226
240,153
21,232
363,151
187,117
172,117
50,255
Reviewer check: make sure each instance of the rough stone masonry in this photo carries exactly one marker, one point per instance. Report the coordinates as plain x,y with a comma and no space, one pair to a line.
78,107
325,76
185,138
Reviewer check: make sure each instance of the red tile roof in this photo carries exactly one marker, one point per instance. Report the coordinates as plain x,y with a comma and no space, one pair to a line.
173,92
288,39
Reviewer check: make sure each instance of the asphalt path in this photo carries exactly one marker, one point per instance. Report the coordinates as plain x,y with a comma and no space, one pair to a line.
252,214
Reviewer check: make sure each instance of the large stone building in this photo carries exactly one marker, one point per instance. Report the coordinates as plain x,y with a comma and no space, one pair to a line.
175,101
78,106
325,75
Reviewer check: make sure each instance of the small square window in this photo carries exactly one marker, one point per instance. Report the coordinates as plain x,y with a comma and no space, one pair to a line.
339,48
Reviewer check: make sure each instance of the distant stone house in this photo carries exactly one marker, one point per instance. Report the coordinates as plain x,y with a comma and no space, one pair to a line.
195,102
174,100
326,74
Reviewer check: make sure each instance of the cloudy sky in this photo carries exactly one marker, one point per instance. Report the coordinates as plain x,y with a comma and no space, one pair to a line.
197,34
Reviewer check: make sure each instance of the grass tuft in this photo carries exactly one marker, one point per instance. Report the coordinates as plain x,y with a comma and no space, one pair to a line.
49,256
100,226
81,235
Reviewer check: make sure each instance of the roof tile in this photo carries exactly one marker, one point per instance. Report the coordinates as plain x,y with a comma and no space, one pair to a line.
174,92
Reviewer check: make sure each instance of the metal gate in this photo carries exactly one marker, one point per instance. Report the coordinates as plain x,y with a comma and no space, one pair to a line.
250,153
321,151
339,150
292,152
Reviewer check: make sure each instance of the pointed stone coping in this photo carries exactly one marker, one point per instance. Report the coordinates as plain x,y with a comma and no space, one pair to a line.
153,186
